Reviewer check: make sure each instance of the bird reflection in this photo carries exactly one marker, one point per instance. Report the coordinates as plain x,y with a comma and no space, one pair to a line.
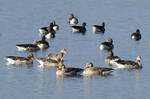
138,74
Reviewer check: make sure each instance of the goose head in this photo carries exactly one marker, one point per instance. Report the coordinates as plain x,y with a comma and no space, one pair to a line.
138,59
53,22
71,15
30,56
60,66
88,65
63,50
138,31
103,24
109,40
83,24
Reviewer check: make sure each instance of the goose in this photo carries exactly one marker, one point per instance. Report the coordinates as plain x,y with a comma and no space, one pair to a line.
50,32
44,30
90,69
20,60
128,64
108,45
62,70
28,47
99,28
54,56
136,35
43,44
73,20
55,26
50,62
110,59
80,29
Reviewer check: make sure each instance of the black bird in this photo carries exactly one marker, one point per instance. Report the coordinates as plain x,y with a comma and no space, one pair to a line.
80,29
99,28
136,35
108,45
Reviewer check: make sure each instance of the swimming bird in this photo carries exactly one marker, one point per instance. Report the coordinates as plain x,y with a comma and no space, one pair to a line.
128,64
50,62
43,30
55,26
28,47
110,59
43,44
61,54
62,70
50,32
73,20
80,29
99,28
108,45
90,69
136,35
20,60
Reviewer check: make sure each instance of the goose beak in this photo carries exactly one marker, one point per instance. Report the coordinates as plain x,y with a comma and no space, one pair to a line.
58,68
86,66
33,58
62,59
65,52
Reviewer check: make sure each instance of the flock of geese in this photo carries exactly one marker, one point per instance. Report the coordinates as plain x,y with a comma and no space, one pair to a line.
57,60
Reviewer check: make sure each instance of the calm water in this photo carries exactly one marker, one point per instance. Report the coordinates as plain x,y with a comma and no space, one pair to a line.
20,21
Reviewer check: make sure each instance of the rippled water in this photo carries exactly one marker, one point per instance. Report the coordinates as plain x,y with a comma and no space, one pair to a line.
20,21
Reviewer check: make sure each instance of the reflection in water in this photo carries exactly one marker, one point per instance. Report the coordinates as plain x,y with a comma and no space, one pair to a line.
96,75
59,87
41,67
40,83
27,51
87,87
61,77
89,77
62,86
98,33
17,65
44,67
79,33
44,50
138,74
29,66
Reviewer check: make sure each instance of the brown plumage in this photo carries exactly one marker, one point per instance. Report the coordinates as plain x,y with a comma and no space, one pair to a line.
61,54
92,70
50,62
128,64
20,60
62,70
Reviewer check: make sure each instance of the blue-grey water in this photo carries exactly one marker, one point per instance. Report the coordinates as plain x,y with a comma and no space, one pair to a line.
20,21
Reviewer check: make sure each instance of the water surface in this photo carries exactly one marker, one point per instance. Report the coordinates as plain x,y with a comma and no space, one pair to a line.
20,21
